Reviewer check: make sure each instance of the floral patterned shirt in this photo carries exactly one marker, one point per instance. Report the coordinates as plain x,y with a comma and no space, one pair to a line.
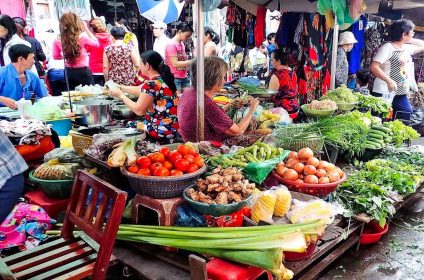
161,121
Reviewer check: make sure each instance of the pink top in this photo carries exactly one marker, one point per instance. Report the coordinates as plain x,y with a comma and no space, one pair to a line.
176,49
96,53
82,61
217,122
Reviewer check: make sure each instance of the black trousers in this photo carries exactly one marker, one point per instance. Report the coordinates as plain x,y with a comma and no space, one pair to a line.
79,76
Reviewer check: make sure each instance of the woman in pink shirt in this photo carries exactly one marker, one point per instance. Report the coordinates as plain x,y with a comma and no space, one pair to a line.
176,58
96,53
76,38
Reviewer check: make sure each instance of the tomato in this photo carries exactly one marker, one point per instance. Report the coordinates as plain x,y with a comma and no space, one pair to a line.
199,161
164,151
155,166
181,164
144,162
192,168
144,172
157,157
189,158
174,155
133,169
161,172
183,149
193,152
168,165
175,172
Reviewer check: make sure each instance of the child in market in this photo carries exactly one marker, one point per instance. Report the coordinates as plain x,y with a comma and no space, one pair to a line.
362,80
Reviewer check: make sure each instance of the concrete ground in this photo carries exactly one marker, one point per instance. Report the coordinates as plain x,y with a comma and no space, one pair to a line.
398,255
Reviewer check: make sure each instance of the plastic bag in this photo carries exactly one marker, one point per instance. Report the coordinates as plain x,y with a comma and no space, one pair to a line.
285,118
302,212
46,109
284,200
257,172
263,209
187,217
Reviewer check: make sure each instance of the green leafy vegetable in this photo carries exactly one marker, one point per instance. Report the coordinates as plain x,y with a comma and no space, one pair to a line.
340,95
401,132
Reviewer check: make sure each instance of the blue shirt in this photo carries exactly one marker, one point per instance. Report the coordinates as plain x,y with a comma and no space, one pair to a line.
11,162
355,55
10,84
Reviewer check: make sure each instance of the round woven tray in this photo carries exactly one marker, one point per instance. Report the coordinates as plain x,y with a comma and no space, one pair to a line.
162,187
317,113
80,142
53,188
320,190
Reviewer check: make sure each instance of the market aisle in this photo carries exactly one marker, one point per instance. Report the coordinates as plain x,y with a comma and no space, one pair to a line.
398,255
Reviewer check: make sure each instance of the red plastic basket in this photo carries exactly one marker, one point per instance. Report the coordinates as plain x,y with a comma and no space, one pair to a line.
372,233
320,190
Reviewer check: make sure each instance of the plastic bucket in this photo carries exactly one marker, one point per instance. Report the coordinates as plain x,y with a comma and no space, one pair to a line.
62,127
372,233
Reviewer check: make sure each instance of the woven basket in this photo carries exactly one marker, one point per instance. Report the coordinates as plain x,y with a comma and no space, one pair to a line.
53,188
80,142
162,187
316,143
316,113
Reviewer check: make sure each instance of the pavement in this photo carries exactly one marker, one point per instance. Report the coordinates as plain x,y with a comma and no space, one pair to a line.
398,255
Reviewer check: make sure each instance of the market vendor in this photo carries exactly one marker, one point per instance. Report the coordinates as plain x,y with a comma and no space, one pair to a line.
157,98
12,167
17,80
218,126
346,42
284,81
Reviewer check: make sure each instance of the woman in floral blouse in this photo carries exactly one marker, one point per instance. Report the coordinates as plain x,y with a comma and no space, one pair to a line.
157,99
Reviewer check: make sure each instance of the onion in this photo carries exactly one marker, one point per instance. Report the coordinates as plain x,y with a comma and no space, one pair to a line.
299,181
323,180
292,155
313,161
305,154
290,174
339,171
330,167
334,177
322,164
311,179
310,170
281,169
299,167
320,173
291,162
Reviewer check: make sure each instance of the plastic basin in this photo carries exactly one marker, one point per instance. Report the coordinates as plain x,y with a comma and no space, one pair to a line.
62,127
372,233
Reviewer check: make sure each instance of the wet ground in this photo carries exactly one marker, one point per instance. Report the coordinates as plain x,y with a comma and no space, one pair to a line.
398,255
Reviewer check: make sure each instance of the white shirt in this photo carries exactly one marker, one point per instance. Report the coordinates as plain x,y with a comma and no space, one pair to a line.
15,40
160,44
396,63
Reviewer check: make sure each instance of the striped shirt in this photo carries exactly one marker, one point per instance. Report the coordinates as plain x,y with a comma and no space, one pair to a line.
11,162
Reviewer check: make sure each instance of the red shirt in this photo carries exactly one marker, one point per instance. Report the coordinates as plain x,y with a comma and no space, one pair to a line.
216,120
96,53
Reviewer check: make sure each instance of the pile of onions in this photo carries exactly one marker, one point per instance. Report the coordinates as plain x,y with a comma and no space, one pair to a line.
303,167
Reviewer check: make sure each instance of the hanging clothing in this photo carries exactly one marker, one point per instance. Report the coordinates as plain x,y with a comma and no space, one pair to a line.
272,21
287,29
260,26
355,55
313,84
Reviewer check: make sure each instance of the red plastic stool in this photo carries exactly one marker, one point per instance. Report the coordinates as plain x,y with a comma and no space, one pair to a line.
219,269
53,206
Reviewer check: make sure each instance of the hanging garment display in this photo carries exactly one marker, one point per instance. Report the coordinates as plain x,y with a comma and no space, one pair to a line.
355,55
272,21
259,28
286,31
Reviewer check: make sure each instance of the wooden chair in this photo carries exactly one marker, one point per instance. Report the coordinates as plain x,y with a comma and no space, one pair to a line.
80,254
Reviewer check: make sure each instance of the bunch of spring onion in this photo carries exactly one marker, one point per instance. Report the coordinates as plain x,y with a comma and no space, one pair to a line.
260,246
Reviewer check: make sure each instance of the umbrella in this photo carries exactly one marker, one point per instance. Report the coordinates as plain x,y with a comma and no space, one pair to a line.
166,11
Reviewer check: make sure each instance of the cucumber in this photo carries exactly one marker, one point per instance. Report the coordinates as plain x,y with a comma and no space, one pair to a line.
378,132
375,140
381,128
375,135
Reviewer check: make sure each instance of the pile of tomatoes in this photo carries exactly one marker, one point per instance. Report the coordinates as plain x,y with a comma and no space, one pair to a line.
168,163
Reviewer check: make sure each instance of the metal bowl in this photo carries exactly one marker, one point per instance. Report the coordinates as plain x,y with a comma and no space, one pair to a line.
93,111
122,111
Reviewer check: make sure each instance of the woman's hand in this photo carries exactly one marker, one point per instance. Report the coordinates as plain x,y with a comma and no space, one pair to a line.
116,92
254,102
392,85
9,102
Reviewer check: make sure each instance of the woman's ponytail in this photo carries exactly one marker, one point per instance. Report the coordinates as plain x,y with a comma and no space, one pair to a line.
155,60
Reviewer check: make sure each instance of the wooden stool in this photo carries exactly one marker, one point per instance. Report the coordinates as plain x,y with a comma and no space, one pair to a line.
52,206
166,208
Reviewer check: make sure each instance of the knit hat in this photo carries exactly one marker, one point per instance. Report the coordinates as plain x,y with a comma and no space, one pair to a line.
347,38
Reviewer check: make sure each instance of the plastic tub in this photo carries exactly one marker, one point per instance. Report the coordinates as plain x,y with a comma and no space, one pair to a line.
293,256
372,233
62,126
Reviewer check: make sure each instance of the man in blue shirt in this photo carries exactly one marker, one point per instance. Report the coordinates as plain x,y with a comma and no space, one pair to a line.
17,80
